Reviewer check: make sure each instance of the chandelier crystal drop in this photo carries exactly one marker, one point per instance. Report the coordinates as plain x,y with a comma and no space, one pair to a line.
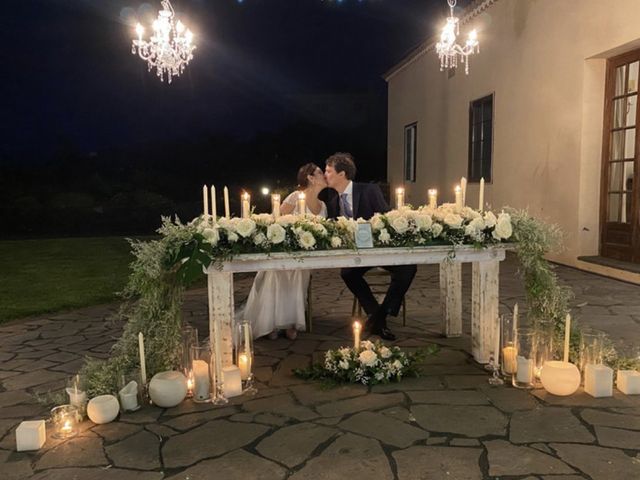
448,50
170,47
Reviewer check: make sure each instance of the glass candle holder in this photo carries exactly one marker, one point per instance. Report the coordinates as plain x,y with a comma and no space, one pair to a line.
524,377
508,346
202,373
189,339
65,419
244,356
130,391
544,332
591,348
76,386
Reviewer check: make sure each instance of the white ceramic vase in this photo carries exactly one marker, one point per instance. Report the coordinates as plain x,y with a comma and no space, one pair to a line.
168,389
103,409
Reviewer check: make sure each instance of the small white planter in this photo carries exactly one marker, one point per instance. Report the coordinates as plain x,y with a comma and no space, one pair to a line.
103,409
168,389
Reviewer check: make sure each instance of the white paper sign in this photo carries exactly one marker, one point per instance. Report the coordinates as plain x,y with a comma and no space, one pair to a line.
364,237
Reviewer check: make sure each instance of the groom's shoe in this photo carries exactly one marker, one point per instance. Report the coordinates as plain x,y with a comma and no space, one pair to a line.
384,333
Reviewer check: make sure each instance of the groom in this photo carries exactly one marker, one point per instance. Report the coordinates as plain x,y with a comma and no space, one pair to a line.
356,200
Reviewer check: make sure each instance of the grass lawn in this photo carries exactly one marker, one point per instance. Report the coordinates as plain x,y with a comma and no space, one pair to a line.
49,275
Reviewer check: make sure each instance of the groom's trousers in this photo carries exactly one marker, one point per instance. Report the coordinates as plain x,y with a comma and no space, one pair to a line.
401,278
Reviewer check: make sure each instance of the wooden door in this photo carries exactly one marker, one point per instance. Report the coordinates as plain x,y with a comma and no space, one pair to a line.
619,216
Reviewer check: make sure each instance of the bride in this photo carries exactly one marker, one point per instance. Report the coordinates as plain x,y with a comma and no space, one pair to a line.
277,298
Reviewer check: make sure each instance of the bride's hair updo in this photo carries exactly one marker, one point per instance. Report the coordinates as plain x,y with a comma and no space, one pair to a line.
304,171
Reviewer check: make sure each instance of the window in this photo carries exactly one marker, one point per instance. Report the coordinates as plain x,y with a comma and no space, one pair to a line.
480,139
410,144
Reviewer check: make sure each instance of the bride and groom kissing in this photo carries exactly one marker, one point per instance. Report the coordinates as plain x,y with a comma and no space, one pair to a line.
277,299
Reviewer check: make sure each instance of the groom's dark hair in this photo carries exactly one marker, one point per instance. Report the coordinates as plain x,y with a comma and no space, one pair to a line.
343,162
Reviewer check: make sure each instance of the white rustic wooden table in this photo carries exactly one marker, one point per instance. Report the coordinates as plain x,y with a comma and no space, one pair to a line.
484,311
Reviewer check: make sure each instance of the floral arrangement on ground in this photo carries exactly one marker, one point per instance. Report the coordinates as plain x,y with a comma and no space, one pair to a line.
371,364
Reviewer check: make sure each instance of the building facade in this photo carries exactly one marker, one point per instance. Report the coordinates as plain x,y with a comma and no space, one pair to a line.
547,115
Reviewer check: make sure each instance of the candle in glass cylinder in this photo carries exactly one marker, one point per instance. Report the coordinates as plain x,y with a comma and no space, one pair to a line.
302,204
399,197
201,382
509,364
275,205
524,370
227,212
205,201
481,199
458,193
433,198
243,365
246,205
357,328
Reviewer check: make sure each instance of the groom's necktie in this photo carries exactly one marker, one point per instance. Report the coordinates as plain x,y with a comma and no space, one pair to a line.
347,211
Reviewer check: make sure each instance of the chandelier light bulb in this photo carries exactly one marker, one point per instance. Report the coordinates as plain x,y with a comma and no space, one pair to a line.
169,49
448,50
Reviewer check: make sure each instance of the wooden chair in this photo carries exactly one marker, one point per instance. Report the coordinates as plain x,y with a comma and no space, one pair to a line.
378,281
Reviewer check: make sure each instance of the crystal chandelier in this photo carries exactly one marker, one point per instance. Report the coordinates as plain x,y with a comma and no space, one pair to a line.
448,50
170,47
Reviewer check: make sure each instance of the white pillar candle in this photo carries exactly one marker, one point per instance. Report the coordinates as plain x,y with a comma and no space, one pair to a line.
205,201
433,198
246,205
302,205
232,382
143,364
481,195
598,380
463,186
275,205
214,206
524,370
30,435
243,365
201,382
458,192
628,382
227,212
399,197
509,364
357,328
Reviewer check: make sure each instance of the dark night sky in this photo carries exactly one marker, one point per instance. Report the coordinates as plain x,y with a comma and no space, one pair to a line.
69,73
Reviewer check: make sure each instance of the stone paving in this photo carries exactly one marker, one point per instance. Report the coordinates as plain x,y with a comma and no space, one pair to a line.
447,424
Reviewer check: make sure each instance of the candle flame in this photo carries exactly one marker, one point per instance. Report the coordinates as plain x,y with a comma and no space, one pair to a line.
301,195
458,189
433,191
245,196
399,190
357,325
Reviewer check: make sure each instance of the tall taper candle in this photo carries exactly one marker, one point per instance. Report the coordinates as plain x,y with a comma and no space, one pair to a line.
246,205
214,207
143,363
567,336
463,185
458,192
433,198
205,201
481,200
275,205
302,205
227,213
399,197
515,319
357,328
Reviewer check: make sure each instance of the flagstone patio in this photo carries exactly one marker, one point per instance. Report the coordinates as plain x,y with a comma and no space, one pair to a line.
447,424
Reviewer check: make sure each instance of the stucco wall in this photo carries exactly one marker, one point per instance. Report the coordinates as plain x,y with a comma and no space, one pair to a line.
545,61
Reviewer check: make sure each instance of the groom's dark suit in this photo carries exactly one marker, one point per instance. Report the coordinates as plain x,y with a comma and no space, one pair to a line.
368,200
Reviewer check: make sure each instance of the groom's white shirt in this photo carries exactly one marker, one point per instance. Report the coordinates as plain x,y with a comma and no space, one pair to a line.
349,191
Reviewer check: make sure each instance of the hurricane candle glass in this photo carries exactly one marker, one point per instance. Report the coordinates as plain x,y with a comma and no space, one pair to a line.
508,345
544,331
189,339
202,372
524,375
65,419
244,356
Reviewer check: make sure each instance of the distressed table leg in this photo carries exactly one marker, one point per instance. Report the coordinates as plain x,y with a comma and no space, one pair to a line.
451,297
484,308
220,292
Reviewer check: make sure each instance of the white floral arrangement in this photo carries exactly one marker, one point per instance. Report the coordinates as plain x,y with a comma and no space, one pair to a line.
371,364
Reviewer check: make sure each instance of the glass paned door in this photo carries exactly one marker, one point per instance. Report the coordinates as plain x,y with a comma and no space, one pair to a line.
619,199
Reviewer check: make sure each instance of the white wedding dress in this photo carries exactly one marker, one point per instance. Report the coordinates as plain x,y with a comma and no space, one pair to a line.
277,299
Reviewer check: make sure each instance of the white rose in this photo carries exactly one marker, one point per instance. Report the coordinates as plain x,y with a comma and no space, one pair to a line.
490,219
343,364
400,224
367,345
276,233
368,358
473,233
262,218
397,364
320,230
384,236
453,220
345,352
211,236
376,222
285,220
385,352
436,230
336,242
423,222
470,213
478,223
259,239
246,227
306,240
379,375
232,236
503,228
